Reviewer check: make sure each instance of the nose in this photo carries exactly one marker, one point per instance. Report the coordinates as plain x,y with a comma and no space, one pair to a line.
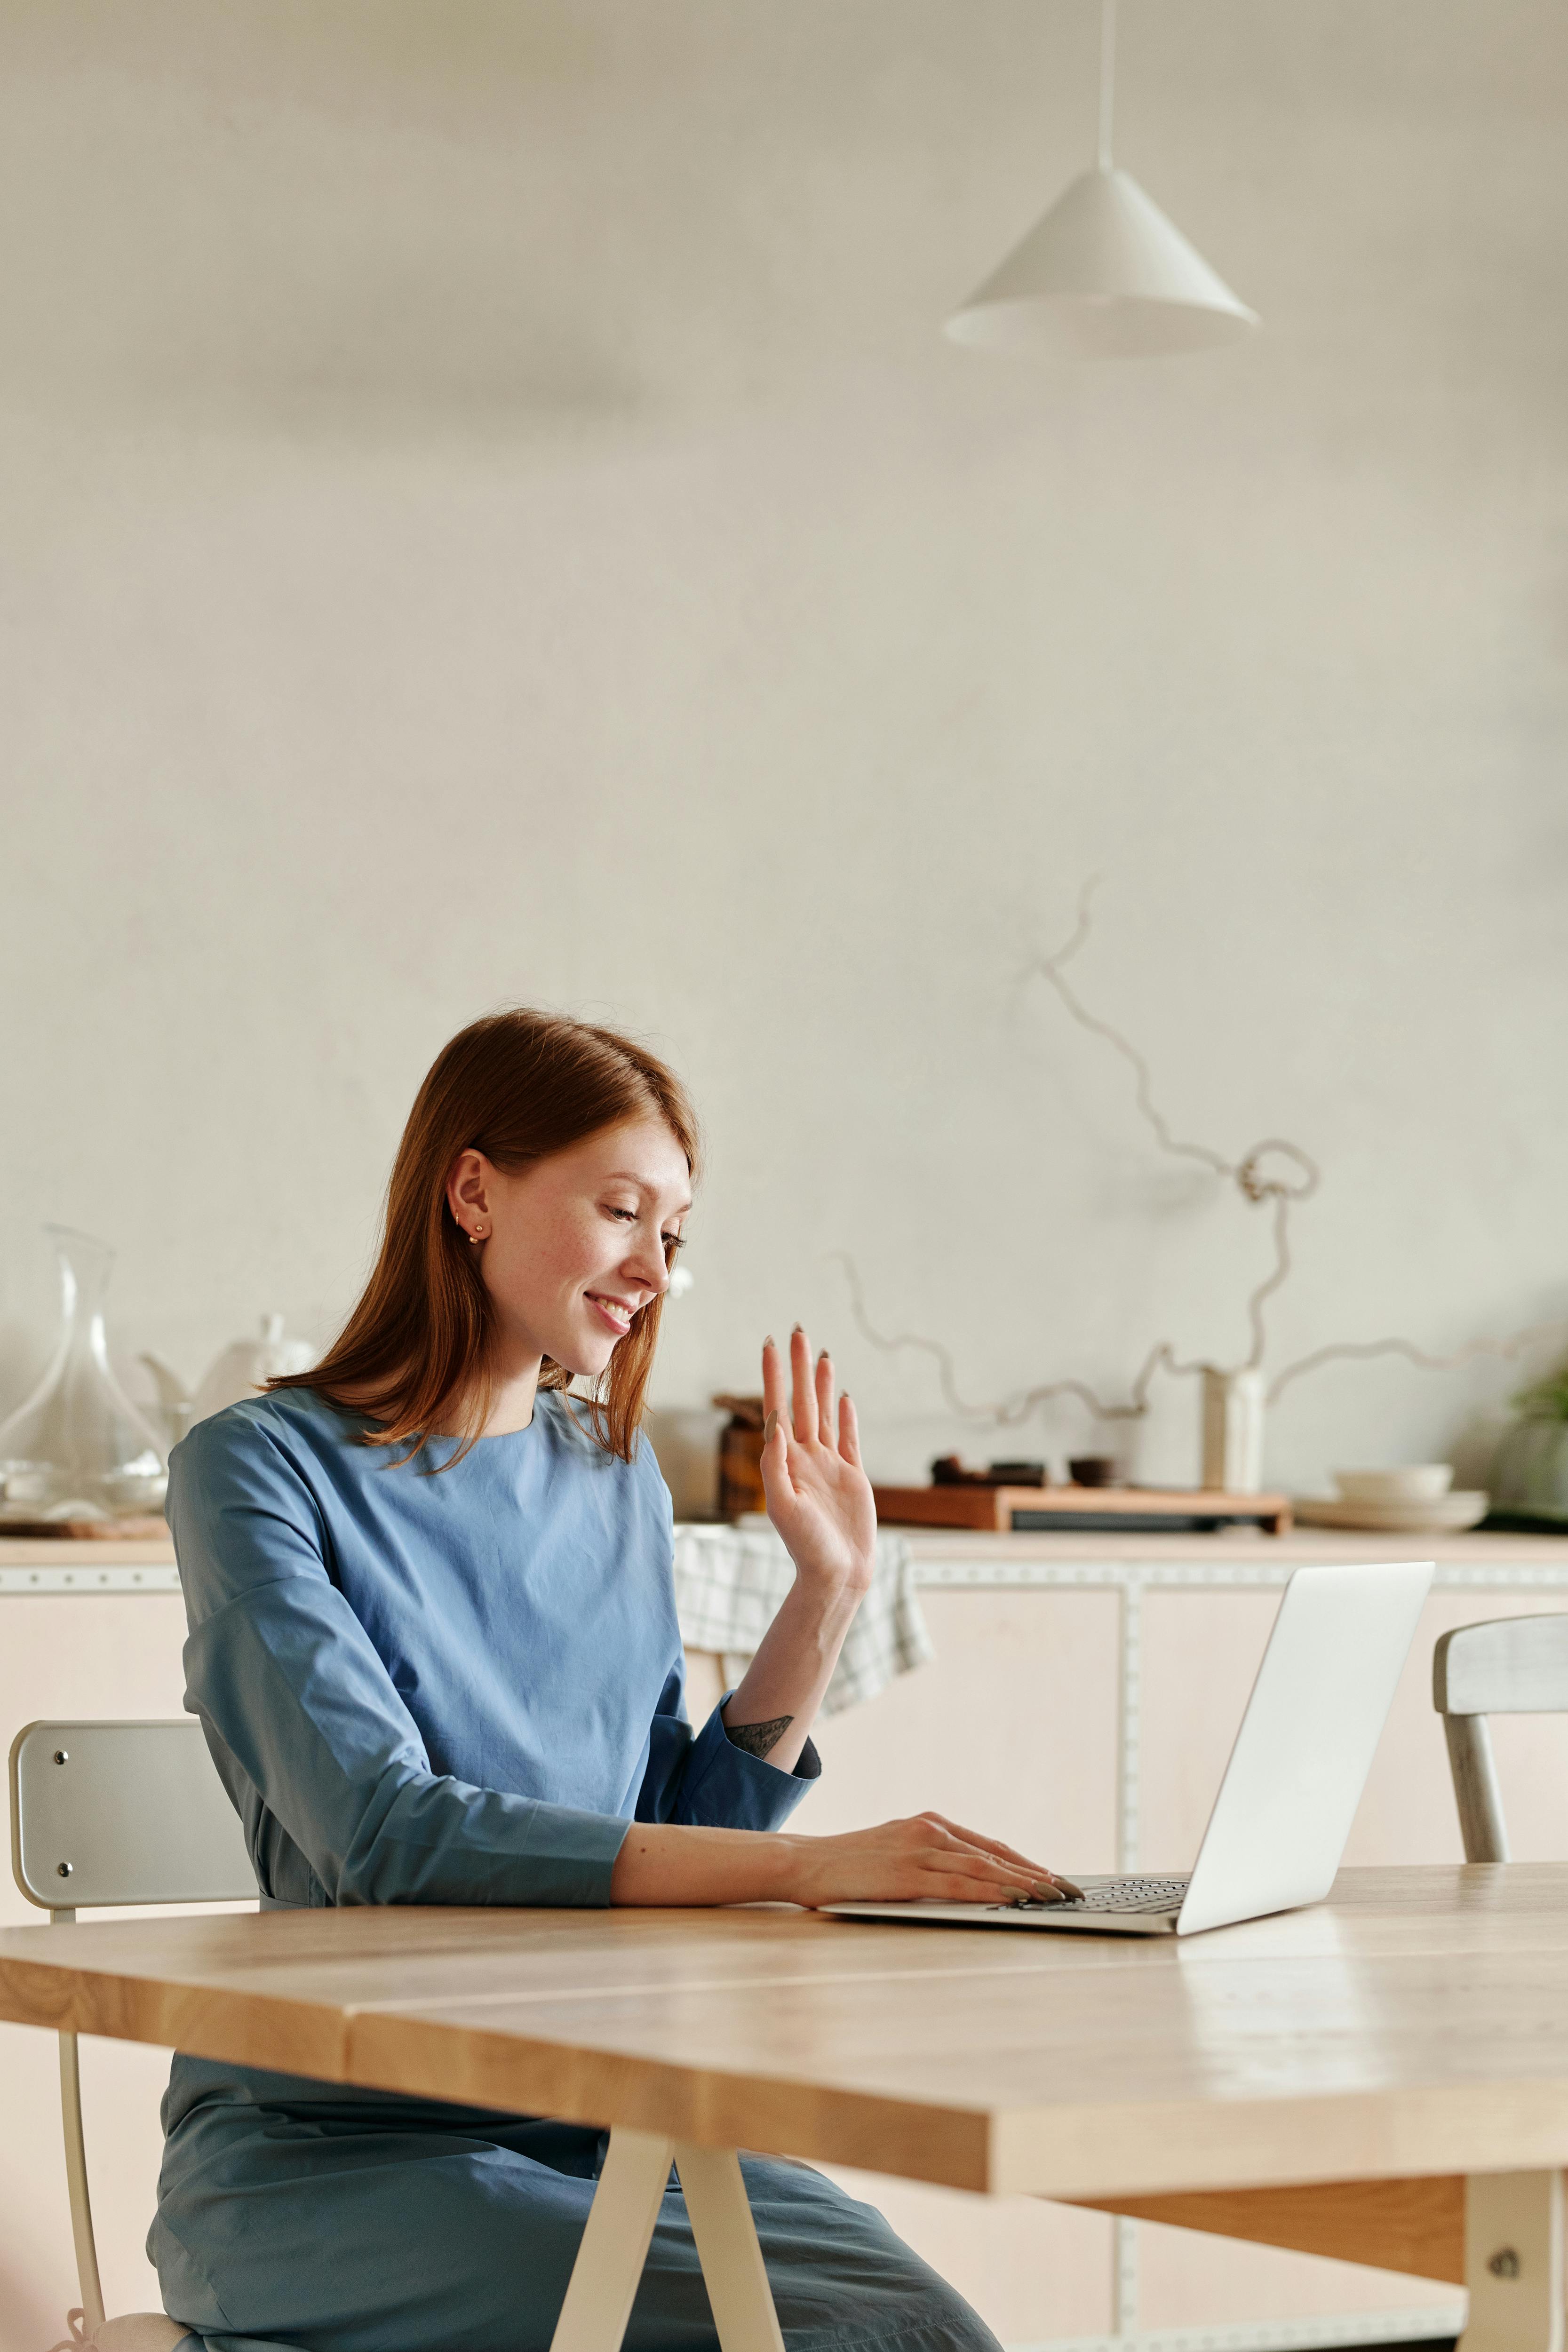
645,1263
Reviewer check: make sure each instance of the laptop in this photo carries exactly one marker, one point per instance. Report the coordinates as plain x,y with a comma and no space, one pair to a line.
1292,1785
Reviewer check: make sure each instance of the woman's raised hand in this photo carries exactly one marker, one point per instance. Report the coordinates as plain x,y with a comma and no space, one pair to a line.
819,1497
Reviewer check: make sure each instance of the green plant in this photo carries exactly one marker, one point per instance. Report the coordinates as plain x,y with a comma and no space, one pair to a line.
1546,1400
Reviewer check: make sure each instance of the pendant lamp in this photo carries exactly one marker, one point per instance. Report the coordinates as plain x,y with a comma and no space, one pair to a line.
1104,275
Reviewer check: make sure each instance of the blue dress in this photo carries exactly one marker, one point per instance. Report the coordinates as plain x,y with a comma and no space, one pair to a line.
455,1688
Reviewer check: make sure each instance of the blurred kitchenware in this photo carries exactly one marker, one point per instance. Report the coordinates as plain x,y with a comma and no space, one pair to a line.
1233,1429
77,1448
740,1457
948,1470
685,1439
1446,1515
1092,1470
245,1366
1417,1482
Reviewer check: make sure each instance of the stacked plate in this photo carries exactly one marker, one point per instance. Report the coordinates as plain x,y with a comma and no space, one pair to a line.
1417,1500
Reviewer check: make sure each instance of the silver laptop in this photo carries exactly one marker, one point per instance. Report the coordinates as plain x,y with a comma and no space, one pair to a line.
1292,1785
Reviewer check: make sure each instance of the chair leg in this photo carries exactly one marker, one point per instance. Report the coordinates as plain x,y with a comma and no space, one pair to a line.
1514,2262
615,2243
1476,1790
726,2236
76,2182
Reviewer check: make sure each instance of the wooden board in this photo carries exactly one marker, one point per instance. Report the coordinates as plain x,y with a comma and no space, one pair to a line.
993,1507
1416,2226
142,1525
1412,2026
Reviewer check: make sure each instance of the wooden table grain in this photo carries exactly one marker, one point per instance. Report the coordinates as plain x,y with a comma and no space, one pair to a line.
1412,2033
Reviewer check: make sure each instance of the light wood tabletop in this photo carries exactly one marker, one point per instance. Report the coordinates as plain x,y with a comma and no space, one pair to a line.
1415,2022
1411,2030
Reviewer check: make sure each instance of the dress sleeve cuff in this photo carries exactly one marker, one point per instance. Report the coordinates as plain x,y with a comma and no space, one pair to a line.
727,1786
570,1855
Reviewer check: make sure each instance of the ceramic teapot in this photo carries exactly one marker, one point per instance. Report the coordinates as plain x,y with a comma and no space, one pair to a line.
246,1364
238,1371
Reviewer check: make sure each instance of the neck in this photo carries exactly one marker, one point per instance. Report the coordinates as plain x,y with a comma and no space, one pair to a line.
516,1363
515,1367
514,1387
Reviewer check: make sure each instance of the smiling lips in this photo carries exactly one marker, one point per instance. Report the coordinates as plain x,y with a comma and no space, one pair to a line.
616,1313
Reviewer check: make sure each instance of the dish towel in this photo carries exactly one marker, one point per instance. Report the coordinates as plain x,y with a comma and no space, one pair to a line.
729,1582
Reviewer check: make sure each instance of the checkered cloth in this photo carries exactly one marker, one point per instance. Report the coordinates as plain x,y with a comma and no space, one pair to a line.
729,1582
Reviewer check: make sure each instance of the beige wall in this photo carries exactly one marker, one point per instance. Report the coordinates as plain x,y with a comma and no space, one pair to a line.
485,512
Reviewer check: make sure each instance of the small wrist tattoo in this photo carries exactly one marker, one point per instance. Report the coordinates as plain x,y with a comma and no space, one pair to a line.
756,1739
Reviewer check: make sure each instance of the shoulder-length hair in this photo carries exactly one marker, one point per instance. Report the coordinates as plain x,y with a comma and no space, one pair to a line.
517,1085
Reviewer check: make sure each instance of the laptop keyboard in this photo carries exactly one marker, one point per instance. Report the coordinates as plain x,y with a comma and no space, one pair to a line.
1116,1895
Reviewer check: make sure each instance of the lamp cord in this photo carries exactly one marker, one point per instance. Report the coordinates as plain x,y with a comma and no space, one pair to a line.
1107,78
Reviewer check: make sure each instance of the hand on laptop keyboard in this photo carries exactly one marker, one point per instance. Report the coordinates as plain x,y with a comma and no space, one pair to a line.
928,1859
1115,1894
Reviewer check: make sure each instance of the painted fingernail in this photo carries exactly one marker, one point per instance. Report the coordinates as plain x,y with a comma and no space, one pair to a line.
822,1356
769,1426
799,1327
770,1341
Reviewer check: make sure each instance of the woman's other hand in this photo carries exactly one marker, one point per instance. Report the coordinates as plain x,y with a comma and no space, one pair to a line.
926,1859
819,1497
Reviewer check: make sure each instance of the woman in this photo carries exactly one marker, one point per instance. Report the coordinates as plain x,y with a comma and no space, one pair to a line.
434,1649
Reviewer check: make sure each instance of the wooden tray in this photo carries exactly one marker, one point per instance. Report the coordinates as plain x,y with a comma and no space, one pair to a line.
88,1530
1108,1510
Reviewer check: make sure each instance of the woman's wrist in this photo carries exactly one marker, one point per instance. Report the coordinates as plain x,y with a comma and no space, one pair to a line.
832,1591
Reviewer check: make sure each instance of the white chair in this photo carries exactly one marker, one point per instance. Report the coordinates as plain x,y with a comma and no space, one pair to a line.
1510,1666
117,1813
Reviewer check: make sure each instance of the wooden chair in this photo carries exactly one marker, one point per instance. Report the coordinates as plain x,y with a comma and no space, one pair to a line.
117,1813
1511,1665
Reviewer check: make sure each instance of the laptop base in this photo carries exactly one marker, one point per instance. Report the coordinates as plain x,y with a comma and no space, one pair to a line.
1116,1907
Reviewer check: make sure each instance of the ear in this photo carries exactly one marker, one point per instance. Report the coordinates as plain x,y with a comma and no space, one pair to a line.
468,1191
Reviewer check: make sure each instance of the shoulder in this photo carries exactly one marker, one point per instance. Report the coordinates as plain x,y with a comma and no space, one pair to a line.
249,1498
265,1446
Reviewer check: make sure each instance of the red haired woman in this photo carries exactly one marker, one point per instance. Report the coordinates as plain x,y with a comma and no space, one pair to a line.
434,1649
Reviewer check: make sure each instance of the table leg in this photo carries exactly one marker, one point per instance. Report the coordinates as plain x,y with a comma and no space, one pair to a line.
1514,2262
615,2243
726,2236
620,2227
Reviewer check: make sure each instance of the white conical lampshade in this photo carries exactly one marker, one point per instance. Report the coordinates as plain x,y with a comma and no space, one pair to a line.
1103,276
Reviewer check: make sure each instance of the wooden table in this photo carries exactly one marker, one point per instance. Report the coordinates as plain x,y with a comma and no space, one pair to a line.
1382,2077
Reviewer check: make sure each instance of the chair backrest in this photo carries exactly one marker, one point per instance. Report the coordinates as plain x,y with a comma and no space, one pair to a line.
1508,1665
1512,1665
123,1813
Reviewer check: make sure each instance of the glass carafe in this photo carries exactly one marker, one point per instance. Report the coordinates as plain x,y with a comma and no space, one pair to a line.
79,1449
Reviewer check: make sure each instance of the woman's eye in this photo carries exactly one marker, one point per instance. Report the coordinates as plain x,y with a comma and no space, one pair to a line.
673,1242
629,1214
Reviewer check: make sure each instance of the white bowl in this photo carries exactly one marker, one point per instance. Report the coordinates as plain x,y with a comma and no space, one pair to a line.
1420,1481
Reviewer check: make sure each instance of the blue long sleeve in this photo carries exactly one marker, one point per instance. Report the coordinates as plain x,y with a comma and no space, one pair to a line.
441,1688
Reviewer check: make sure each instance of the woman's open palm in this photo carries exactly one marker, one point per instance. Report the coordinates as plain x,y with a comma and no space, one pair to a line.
819,1497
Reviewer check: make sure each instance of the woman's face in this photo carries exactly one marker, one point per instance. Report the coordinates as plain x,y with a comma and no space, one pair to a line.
572,1247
